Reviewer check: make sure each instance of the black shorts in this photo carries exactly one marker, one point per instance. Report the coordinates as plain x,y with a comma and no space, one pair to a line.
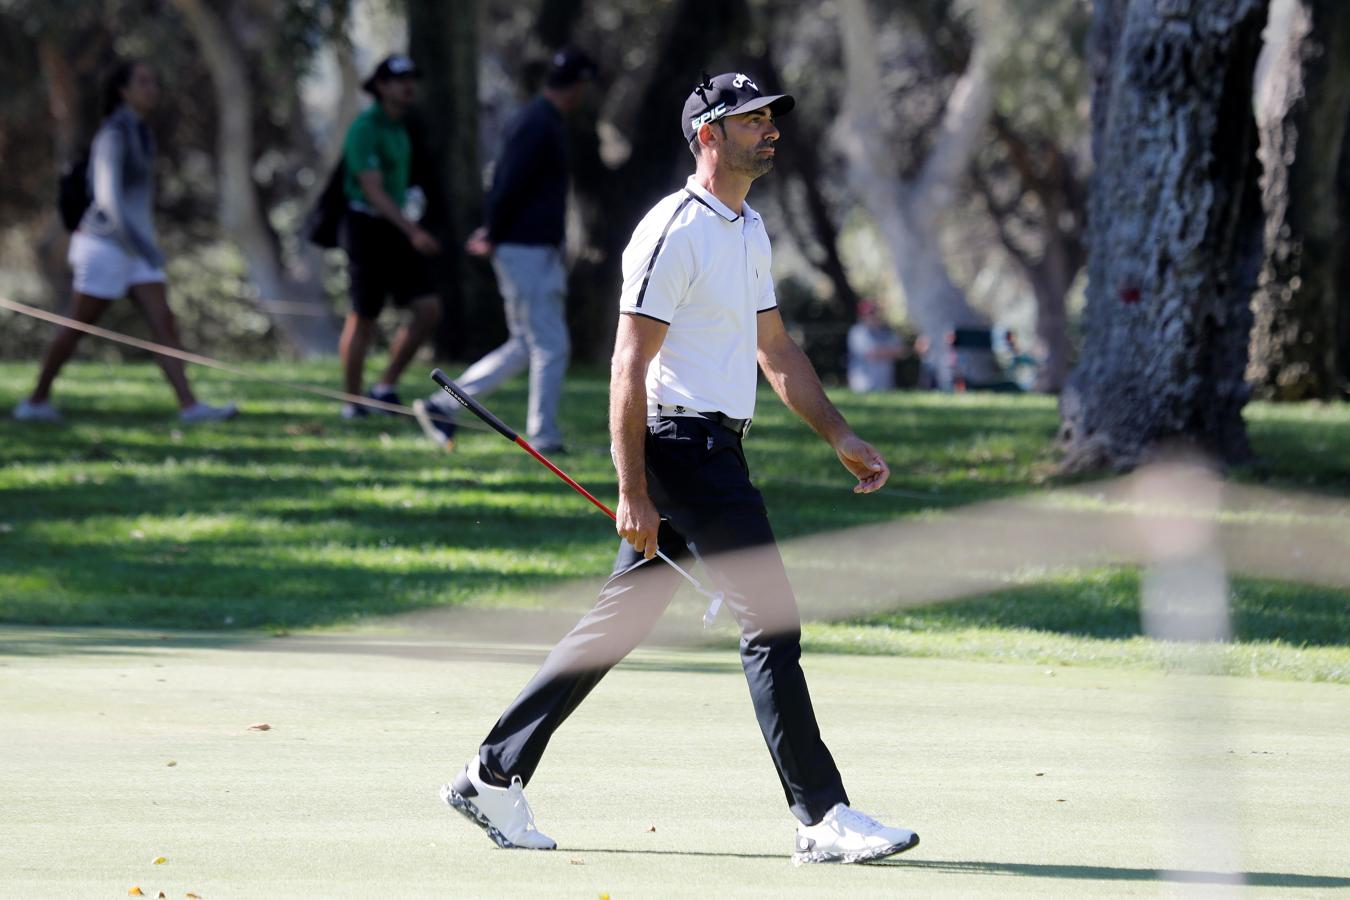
381,263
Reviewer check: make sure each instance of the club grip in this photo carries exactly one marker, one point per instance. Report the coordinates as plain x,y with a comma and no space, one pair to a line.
472,405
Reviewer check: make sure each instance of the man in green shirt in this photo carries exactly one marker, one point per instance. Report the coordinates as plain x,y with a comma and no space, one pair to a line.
386,248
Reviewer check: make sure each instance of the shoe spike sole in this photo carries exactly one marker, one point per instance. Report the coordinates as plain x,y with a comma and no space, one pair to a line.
465,807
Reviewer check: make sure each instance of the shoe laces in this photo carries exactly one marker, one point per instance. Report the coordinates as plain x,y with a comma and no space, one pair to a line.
859,820
519,805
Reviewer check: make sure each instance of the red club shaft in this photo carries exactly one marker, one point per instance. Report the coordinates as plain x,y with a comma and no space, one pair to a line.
525,445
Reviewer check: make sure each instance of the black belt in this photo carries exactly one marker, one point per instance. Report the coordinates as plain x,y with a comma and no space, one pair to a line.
741,427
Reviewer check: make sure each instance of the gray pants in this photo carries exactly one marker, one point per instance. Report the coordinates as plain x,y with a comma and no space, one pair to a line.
533,284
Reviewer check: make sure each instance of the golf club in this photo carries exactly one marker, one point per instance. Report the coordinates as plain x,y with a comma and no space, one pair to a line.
482,412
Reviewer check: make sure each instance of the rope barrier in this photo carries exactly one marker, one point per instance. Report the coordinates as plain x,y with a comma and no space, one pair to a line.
208,362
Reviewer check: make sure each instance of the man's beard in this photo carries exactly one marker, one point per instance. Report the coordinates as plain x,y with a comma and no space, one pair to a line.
748,162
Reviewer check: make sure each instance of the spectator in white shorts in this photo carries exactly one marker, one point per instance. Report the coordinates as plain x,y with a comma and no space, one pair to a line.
113,252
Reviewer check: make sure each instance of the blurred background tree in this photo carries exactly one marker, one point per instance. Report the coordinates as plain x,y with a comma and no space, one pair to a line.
939,161
1303,108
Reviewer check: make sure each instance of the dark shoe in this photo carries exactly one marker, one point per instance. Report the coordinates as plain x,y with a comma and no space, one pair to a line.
388,396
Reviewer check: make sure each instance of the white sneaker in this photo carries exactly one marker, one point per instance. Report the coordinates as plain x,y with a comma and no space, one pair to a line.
205,412
36,412
848,836
437,423
503,813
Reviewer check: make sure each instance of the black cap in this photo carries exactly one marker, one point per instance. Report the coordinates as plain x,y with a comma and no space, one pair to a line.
395,66
569,66
729,94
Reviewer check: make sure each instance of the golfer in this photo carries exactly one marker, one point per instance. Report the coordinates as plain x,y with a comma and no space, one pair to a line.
697,310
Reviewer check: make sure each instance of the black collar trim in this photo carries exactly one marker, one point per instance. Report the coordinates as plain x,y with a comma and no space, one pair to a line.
710,206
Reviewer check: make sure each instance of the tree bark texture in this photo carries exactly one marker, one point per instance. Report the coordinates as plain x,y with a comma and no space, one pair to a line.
1174,233
294,302
906,212
1302,111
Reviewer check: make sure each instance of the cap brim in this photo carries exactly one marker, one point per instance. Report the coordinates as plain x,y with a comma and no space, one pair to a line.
779,105
369,84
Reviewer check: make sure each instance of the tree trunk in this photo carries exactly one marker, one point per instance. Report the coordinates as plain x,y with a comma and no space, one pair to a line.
1051,280
907,212
1046,175
443,38
1174,233
1343,271
1302,108
612,201
63,101
296,304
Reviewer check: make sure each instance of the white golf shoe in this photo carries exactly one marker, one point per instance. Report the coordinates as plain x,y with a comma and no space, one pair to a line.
848,836
503,813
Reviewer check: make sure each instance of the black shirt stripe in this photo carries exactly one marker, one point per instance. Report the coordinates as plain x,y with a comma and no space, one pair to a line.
656,251
709,205
641,315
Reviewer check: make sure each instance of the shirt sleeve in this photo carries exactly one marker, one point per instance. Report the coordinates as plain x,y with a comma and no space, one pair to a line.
658,267
133,232
768,297
358,150
105,176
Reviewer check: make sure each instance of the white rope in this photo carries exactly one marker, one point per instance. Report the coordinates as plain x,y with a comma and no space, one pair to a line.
200,360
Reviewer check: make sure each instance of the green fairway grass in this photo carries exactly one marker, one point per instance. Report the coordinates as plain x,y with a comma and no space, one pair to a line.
289,518
123,747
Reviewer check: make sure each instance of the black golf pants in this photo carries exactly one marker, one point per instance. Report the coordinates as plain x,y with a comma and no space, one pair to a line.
698,479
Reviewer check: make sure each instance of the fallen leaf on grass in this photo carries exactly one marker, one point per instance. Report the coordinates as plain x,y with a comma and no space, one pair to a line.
171,763
651,830
192,896
260,726
135,892
160,860
163,896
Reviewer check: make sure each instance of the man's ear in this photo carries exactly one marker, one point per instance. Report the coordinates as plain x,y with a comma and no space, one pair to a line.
707,129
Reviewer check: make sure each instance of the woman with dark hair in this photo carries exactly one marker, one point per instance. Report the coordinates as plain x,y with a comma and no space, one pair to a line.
113,252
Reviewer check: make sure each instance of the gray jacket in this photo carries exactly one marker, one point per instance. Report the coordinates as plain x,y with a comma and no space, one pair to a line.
122,182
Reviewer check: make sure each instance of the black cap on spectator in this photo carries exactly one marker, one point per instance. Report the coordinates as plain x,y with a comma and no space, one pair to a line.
394,66
569,66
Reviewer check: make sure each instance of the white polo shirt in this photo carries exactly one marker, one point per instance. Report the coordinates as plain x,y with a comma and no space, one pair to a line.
704,271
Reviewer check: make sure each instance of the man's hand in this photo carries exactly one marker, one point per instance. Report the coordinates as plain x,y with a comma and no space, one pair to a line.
478,243
863,460
637,521
423,242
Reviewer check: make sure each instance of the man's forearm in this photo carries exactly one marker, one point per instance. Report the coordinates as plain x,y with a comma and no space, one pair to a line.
385,206
628,422
795,381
